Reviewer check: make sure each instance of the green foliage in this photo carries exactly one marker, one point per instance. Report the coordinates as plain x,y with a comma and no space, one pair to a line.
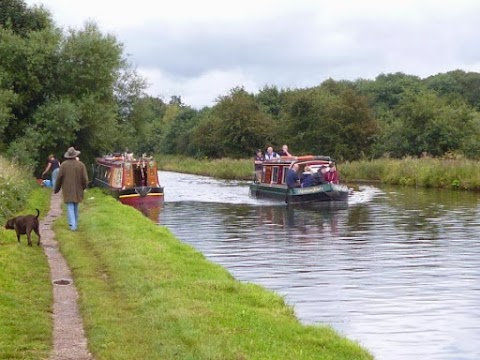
17,17
234,127
330,120
61,89
425,123
387,90
457,84
142,131
270,100
27,69
449,172
178,132
89,64
16,184
243,126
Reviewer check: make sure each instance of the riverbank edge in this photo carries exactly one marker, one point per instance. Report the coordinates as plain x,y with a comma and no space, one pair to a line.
26,296
191,307
428,172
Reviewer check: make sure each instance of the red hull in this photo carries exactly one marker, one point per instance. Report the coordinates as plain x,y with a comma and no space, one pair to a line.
153,199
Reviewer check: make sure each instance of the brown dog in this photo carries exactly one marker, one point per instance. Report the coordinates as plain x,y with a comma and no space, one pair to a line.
24,225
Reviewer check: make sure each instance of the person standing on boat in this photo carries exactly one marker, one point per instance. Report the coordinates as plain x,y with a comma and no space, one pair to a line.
259,159
284,151
332,175
53,165
72,179
270,154
292,179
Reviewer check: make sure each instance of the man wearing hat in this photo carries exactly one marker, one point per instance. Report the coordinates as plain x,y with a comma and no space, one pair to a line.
72,179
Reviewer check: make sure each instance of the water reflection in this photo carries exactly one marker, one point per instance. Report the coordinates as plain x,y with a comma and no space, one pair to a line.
151,210
398,269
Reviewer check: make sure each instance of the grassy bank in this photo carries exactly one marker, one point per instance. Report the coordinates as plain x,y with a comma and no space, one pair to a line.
229,169
423,172
25,291
145,295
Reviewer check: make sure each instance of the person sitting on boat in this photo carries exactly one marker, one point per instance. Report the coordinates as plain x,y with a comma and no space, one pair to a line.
292,179
307,177
259,166
284,151
270,154
332,175
319,176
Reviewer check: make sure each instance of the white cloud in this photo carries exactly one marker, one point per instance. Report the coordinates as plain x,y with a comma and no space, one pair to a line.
197,91
201,49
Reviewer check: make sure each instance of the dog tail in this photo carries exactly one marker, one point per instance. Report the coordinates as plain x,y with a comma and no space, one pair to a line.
38,213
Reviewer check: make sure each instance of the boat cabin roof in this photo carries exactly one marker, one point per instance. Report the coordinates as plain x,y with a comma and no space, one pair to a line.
120,160
288,160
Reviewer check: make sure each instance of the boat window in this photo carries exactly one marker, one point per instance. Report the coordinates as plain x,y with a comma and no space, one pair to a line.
284,177
275,174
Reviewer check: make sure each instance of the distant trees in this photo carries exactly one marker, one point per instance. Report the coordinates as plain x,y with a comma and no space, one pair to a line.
76,87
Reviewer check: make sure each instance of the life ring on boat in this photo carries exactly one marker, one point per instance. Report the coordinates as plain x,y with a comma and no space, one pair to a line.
304,157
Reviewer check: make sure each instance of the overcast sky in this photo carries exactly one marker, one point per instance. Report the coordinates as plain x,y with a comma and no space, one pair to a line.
200,50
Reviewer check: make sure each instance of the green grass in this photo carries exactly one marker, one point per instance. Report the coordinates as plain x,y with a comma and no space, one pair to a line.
25,291
229,169
444,173
145,295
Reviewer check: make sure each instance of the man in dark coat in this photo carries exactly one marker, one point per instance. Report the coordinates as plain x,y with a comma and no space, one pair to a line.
292,179
319,176
72,179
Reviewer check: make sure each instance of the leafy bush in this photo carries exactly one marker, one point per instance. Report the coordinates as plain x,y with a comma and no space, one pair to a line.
16,184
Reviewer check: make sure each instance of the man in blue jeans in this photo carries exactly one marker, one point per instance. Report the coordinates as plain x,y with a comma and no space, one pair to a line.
72,179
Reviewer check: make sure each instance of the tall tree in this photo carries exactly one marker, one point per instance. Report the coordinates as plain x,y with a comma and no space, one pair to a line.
244,127
16,16
331,119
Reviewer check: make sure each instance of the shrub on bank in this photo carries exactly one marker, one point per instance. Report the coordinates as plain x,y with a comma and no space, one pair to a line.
16,184
456,173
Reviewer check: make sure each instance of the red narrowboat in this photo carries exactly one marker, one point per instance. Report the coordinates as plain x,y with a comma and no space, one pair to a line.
131,180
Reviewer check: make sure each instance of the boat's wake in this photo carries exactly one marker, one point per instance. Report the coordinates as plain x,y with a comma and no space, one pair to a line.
363,195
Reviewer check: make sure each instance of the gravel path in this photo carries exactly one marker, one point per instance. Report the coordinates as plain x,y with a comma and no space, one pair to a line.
69,341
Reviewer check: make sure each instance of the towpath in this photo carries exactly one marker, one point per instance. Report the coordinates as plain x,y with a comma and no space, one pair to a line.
69,341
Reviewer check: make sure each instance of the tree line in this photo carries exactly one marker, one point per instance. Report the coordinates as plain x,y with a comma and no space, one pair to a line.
76,87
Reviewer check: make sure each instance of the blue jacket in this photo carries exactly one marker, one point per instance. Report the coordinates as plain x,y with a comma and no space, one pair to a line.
307,180
292,178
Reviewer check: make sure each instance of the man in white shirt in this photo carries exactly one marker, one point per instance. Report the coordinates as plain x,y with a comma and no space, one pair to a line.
270,154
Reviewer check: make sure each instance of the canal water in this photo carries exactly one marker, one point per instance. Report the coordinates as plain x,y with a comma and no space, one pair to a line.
396,270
